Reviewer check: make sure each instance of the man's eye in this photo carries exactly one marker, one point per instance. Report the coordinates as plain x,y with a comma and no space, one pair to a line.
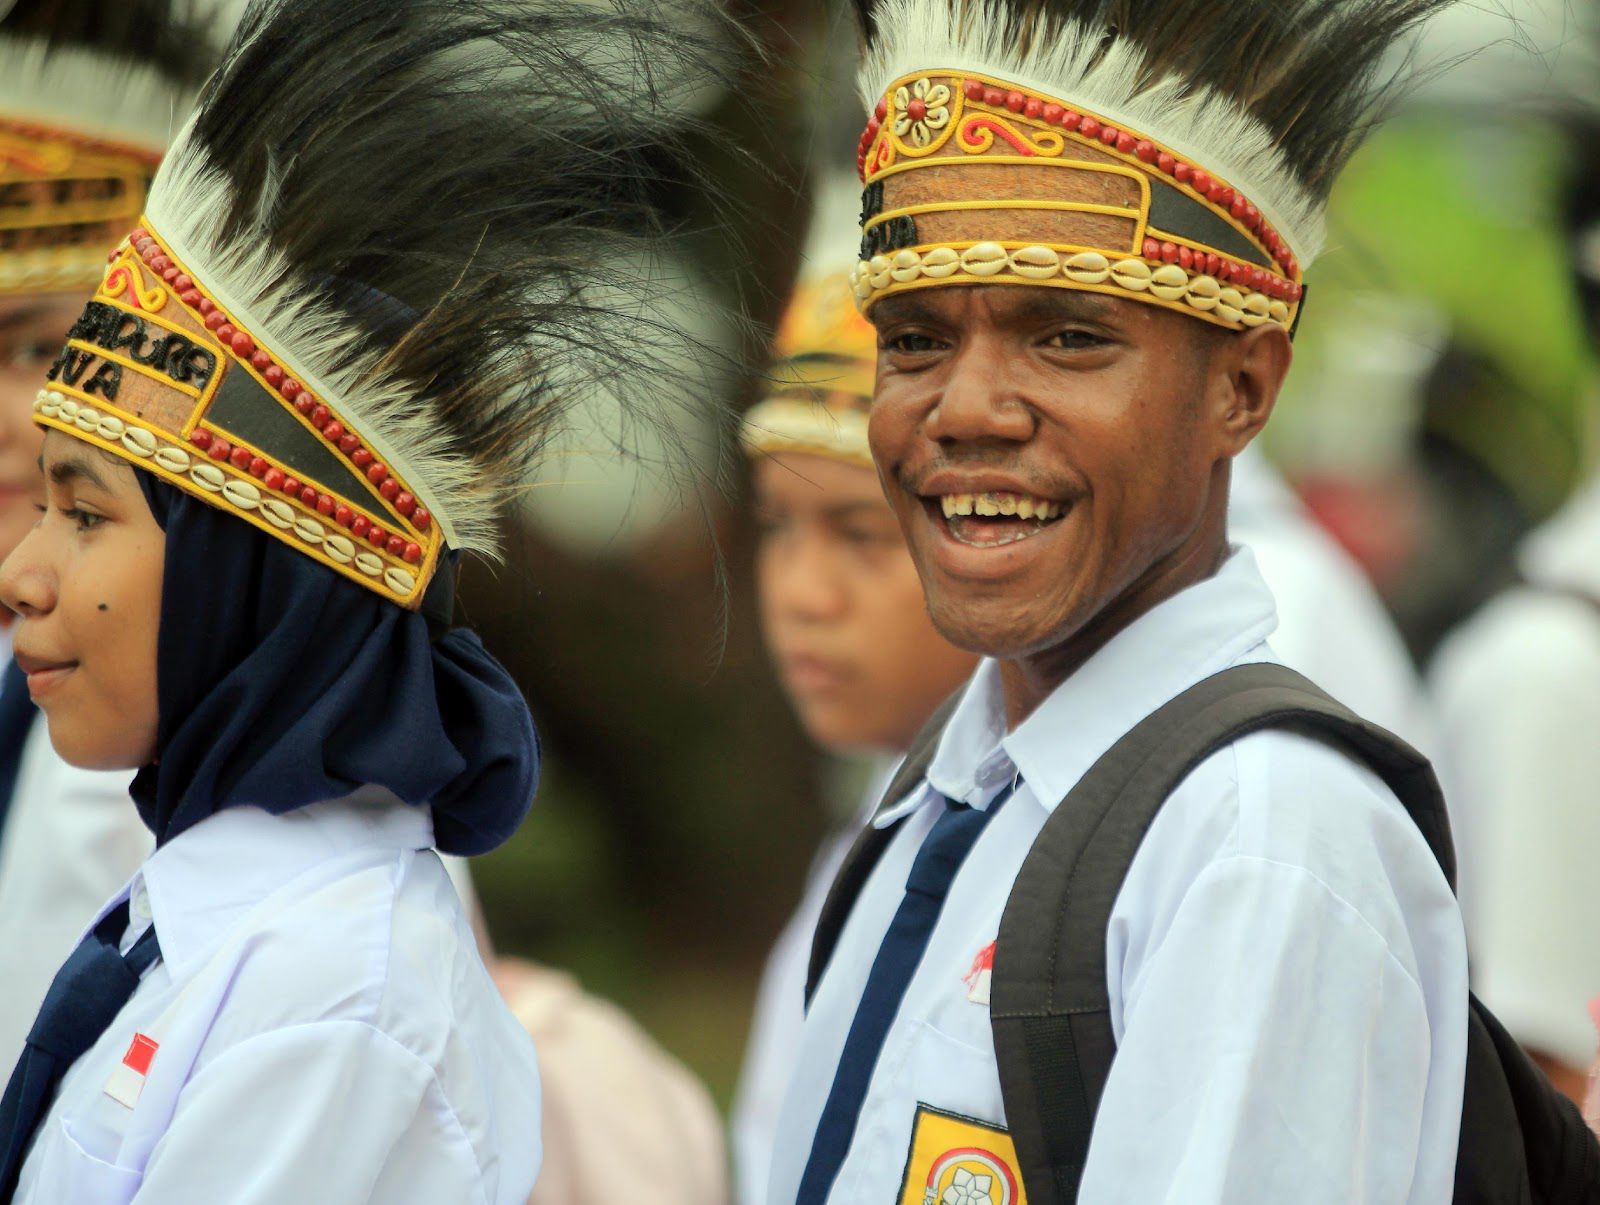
1075,340
911,344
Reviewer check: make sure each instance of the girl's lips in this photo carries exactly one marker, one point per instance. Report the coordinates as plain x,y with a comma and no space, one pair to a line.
42,682
44,676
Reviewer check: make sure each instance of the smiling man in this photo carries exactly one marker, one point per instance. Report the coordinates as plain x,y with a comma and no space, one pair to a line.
1084,232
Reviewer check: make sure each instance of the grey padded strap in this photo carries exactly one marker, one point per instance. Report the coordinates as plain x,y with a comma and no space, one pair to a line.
1049,1008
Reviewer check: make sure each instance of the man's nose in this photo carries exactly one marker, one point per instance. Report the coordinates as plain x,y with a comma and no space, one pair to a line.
979,402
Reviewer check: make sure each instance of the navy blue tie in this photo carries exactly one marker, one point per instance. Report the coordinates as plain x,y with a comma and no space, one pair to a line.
943,850
86,996
16,719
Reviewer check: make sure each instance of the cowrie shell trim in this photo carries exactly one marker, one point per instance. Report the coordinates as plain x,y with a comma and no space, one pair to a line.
987,260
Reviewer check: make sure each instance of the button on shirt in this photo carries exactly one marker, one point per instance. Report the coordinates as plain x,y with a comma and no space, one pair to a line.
322,1030
1285,961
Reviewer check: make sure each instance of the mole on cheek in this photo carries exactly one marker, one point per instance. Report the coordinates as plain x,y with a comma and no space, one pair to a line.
104,607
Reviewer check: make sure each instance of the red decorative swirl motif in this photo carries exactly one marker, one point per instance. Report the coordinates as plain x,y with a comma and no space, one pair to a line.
978,142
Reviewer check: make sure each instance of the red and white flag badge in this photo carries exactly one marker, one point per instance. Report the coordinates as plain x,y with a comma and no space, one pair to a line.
127,1080
977,979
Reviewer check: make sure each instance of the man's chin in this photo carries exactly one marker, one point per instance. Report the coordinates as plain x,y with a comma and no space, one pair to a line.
1000,628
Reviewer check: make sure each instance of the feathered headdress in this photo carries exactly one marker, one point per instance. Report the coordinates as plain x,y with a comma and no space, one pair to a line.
1179,152
90,93
825,355
390,247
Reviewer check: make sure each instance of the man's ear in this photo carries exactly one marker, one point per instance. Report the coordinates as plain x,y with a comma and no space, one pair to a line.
1249,368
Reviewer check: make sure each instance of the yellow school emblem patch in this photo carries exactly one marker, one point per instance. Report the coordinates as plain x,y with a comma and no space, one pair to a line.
956,1160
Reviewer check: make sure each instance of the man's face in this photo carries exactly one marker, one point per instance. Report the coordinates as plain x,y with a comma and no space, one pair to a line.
32,330
841,607
1105,415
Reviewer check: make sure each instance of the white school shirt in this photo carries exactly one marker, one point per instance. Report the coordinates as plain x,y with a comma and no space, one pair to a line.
1332,626
324,1031
1518,694
1285,961
70,840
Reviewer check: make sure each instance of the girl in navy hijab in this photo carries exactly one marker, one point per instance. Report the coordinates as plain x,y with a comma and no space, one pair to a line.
363,293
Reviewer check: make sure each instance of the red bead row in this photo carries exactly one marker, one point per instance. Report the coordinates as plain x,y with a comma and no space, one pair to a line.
1226,270
291,391
362,527
1146,151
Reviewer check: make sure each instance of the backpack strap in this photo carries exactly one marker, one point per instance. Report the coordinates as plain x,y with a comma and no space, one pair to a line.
1050,1010
858,864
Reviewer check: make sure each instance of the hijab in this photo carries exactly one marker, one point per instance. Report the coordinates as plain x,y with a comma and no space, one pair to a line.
281,684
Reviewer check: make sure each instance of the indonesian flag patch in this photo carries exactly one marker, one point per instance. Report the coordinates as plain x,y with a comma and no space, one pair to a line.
127,1080
977,979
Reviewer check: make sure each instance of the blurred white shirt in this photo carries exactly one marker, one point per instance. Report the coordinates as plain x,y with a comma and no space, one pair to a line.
324,1029
1518,694
71,840
780,1015
1285,961
1332,627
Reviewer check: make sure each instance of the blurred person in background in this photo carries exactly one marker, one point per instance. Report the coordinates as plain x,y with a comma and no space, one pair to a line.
1518,695
89,92
841,611
620,1119
1332,626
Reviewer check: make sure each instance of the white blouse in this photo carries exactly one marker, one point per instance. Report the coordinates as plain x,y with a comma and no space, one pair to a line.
319,1028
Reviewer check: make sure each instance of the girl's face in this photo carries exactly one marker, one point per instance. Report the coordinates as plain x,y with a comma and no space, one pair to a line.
85,583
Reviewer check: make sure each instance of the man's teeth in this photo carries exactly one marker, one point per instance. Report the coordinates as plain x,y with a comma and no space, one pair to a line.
1019,505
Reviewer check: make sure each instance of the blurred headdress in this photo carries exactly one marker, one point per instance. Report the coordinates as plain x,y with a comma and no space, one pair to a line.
825,355
90,92
365,287
1177,152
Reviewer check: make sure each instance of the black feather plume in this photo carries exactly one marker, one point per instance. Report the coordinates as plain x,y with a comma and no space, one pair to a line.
481,168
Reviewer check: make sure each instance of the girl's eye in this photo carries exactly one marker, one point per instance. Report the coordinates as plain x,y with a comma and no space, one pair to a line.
85,520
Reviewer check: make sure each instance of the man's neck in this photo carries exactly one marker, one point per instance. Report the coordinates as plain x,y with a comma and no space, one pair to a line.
1027,681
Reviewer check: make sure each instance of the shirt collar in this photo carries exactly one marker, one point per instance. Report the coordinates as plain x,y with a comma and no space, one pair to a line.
1196,633
206,879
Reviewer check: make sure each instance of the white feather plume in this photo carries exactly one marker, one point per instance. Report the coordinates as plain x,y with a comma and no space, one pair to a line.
1075,64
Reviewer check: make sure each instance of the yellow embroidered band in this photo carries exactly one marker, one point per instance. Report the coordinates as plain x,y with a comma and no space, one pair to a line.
63,200
156,372
826,360
973,180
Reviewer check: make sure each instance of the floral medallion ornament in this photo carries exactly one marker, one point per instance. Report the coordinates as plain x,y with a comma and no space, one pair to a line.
969,1189
921,111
